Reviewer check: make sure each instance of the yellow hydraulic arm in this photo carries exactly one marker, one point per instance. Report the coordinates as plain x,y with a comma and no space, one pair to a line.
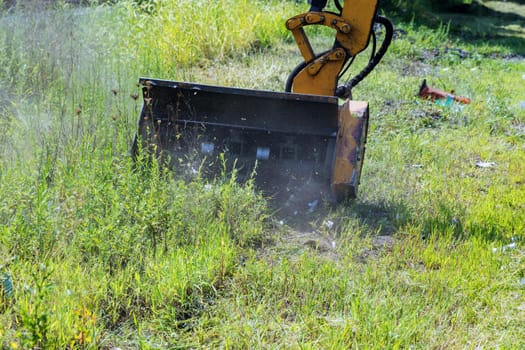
319,73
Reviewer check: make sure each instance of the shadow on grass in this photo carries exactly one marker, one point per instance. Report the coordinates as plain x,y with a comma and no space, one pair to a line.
379,219
442,220
446,219
373,219
474,23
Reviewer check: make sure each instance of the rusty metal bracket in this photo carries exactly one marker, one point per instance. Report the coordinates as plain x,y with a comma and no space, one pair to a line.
349,149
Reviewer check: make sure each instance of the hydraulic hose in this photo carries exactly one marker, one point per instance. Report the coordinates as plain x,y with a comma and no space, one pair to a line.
345,91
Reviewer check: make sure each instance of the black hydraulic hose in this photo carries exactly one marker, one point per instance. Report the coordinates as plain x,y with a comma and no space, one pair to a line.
374,45
346,67
291,76
345,91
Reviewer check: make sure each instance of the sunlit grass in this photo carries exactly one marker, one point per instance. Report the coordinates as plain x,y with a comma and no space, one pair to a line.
101,251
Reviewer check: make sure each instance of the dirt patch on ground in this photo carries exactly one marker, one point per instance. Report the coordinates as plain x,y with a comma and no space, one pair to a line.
328,245
380,244
315,242
308,228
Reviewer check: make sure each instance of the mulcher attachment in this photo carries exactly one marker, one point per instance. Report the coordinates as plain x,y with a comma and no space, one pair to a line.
300,143
290,143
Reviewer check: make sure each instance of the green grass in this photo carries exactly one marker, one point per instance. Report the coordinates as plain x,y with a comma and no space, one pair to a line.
97,251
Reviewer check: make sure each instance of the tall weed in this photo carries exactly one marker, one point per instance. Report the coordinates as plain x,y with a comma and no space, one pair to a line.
172,34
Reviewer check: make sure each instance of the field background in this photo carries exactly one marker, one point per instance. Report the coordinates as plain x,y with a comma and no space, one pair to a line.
99,252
